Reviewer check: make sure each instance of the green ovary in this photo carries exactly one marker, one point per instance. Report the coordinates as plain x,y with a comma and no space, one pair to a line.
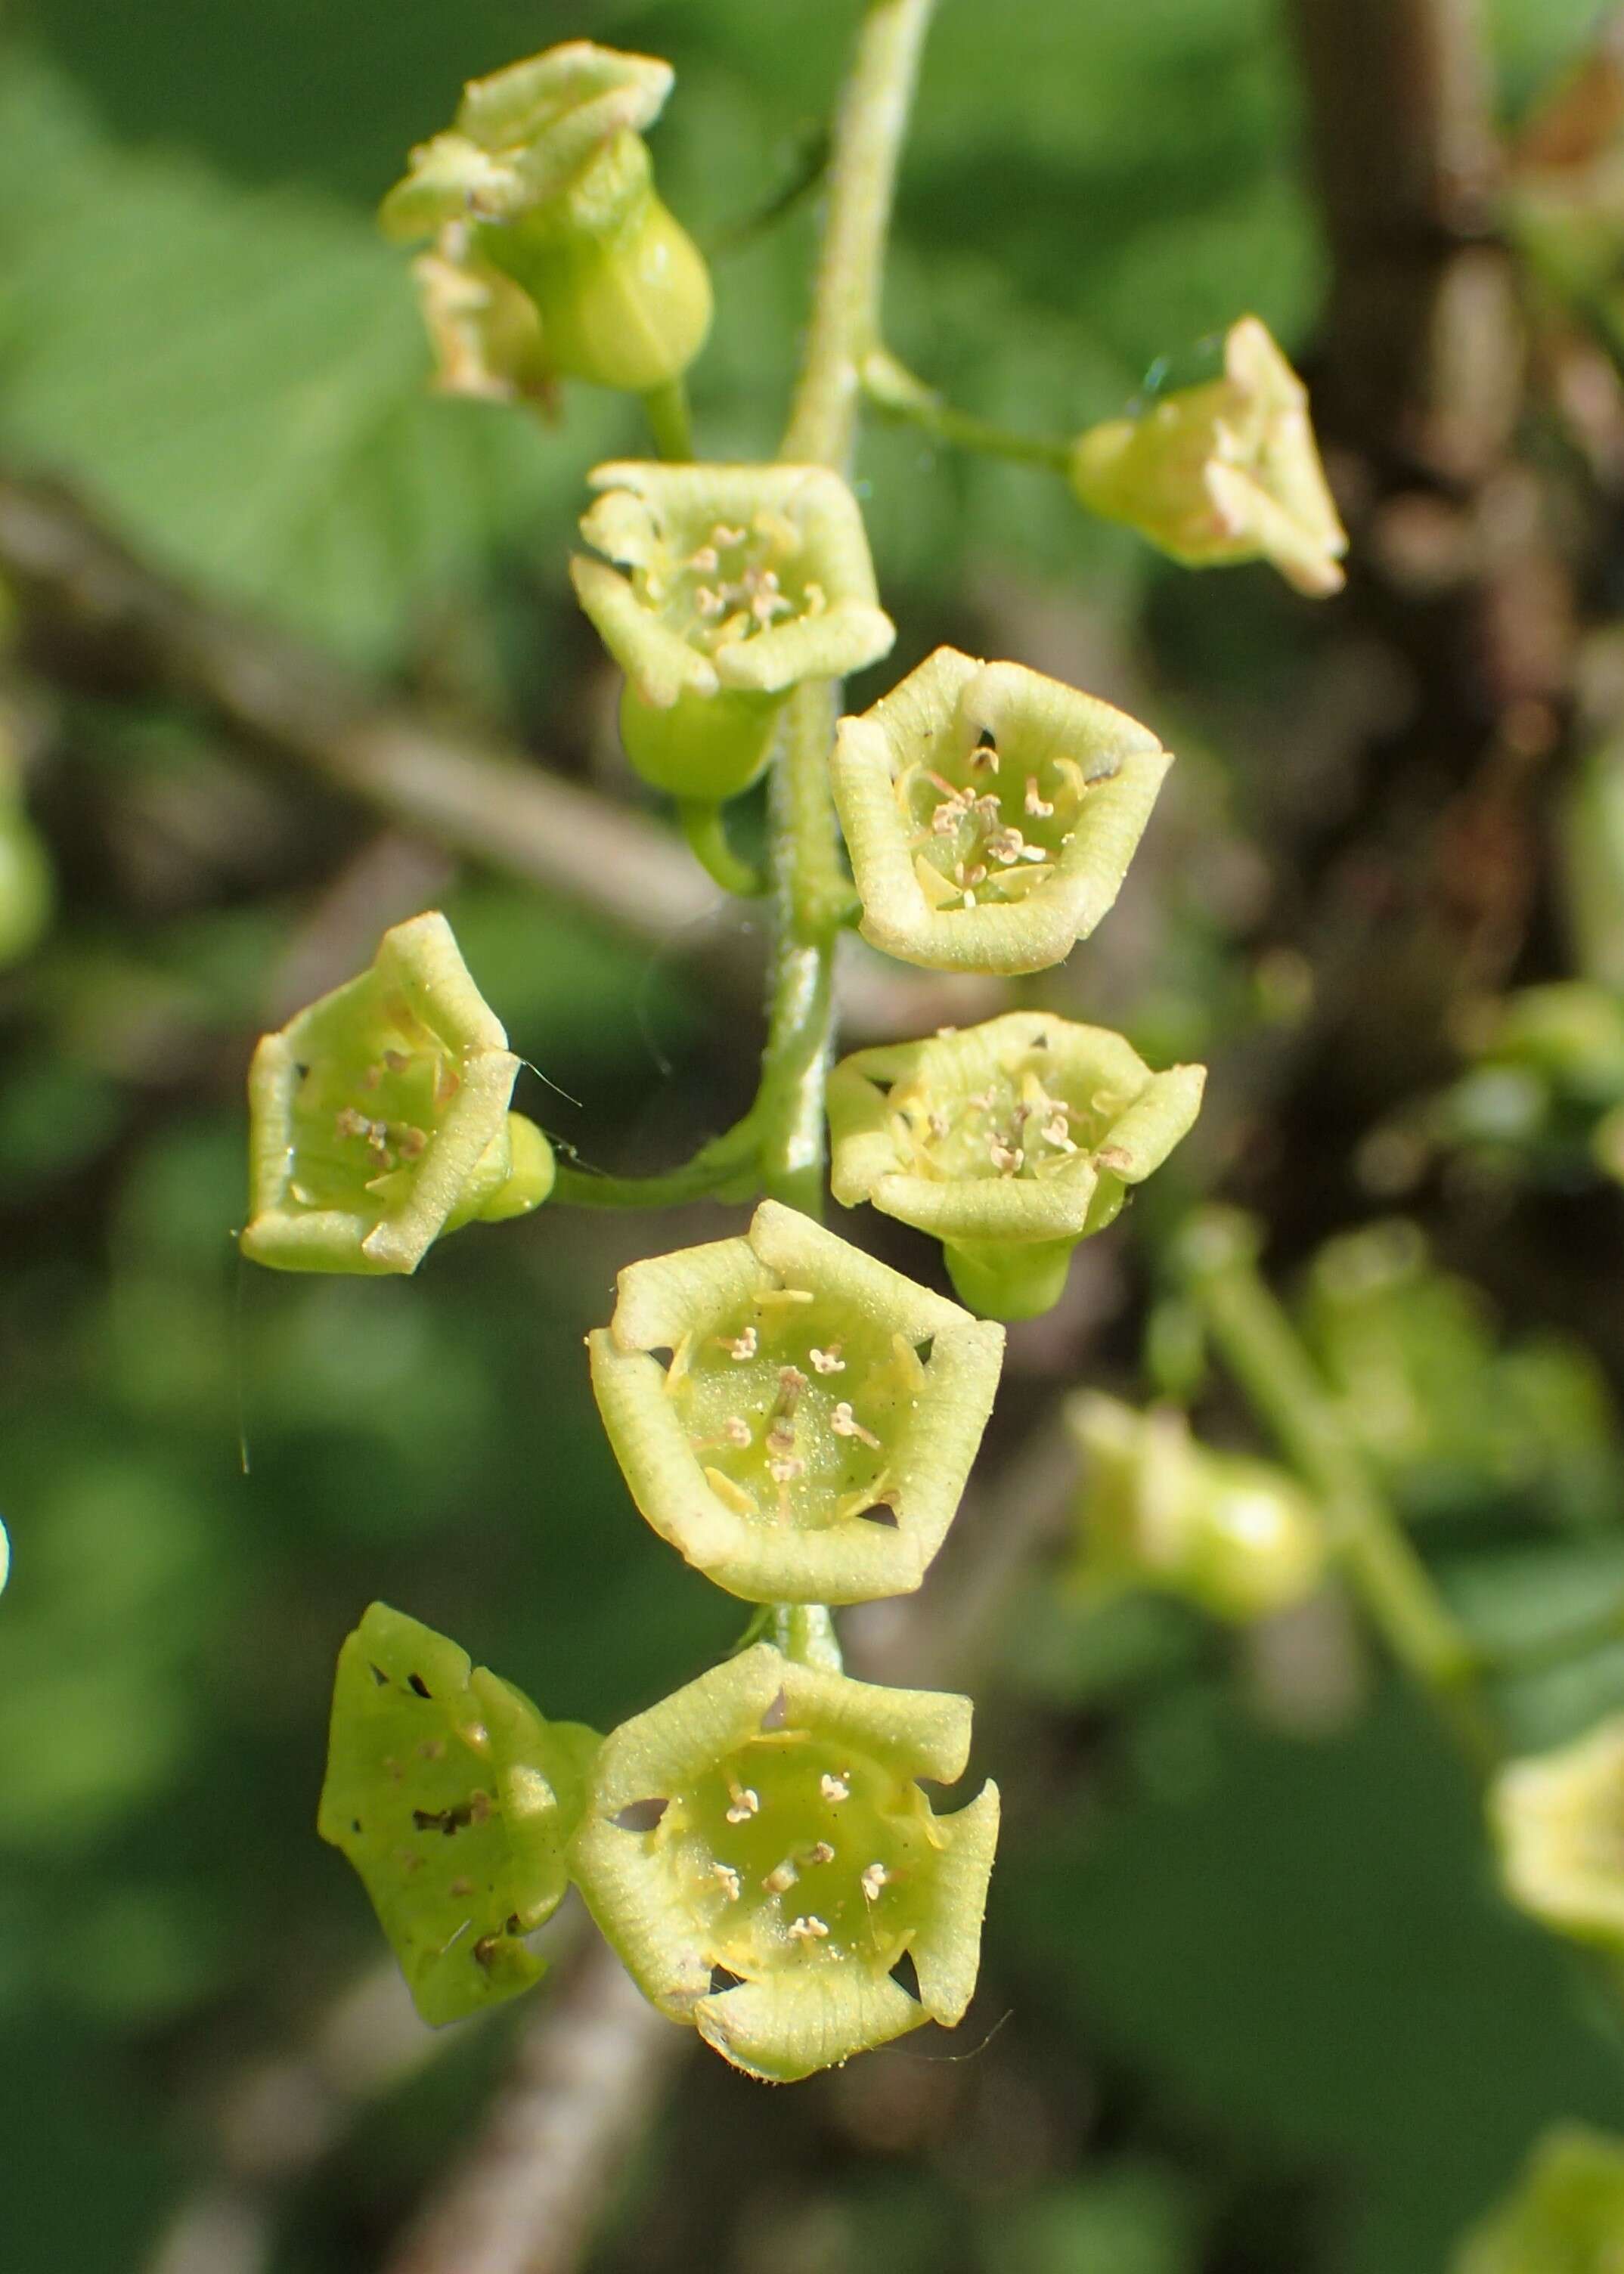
796,1408
792,1848
371,1095
987,825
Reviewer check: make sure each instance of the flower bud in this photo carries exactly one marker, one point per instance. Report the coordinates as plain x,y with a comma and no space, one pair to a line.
456,1802
546,177
1565,2215
758,1852
380,1118
1222,473
739,582
1555,1817
1009,1142
990,813
796,1417
1236,1536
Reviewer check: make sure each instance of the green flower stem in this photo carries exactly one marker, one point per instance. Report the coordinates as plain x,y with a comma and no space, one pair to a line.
706,832
812,896
806,1633
894,391
1256,1339
669,419
722,1163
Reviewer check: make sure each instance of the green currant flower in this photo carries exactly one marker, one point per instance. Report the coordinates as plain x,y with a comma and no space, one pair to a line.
1236,1536
797,1420
455,1802
1555,1819
1565,2215
545,177
1009,1142
739,583
758,1852
991,814
1222,473
380,1119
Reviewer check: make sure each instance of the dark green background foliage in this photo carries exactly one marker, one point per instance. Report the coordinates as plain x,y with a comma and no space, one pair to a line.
1265,2011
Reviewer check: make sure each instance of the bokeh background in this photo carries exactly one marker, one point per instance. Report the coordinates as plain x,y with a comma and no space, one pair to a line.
1251,2003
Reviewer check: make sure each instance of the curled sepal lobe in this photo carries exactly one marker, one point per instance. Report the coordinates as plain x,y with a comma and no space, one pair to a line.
1009,1142
379,1117
758,1851
456,1802
990,813
797,1419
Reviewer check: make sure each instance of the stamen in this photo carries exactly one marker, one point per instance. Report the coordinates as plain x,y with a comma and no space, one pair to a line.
845,1423
742,1346
1007,1159
746,1802
736,1429
1038,807
822,1853
729,1878
781,1878
827,1361
835,1787
411,1142
872,1880
808,1930
786,1468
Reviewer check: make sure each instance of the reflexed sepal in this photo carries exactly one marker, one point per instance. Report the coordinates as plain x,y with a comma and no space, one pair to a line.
797,1419
1565,2215
1236,1536
758,1852
484,332
379,1117
732,584
1555,1819
1222,473
990,813
545,177
525,135
1009,1142
456,1802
